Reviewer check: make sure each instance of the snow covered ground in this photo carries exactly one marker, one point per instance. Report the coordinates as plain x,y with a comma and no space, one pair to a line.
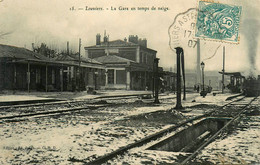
241,147
5,98
84,135
87,134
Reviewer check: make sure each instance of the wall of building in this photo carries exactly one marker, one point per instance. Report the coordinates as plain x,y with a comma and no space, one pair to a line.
128,53
94,53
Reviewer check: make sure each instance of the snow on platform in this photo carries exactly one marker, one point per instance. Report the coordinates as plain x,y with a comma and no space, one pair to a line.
13,98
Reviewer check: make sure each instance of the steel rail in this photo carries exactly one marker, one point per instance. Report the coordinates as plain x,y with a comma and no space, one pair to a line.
216,134
110,97
60,111
148,139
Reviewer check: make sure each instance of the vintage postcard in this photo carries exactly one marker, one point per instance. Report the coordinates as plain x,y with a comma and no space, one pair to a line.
129,82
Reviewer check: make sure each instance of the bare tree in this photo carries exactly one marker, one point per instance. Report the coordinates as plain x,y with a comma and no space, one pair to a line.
46,51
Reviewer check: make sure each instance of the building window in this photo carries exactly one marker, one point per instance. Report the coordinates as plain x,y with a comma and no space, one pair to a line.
120,77
110,76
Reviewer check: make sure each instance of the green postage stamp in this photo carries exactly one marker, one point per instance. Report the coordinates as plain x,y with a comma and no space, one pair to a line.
218,21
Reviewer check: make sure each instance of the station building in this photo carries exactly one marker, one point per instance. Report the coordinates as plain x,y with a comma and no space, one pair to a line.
23,69
129,64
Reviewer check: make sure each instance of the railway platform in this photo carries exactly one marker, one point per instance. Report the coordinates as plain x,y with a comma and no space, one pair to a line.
20,97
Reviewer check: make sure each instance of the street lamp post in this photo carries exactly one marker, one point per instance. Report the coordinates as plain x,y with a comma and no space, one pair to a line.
203,88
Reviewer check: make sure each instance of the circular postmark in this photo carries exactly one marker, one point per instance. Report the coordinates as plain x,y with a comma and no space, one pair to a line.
181,31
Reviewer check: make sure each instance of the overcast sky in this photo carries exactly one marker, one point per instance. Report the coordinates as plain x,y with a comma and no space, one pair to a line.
52,22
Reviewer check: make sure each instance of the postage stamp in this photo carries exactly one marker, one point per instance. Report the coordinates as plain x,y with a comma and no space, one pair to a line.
218,21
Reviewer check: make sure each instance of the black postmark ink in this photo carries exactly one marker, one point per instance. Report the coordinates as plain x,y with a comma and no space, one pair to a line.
180,30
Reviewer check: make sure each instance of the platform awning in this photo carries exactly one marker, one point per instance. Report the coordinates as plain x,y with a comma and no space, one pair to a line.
235,74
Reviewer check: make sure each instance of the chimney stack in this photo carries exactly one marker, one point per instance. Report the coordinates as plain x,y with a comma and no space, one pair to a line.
125,39
33,47
133,39
105,37
98,39
68,48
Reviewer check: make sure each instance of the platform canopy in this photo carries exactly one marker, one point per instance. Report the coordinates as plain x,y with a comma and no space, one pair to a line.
235,74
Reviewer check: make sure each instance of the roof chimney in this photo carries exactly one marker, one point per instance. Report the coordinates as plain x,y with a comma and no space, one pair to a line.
33,47
98,39
105,37
133,39
143,42
125,39
68,48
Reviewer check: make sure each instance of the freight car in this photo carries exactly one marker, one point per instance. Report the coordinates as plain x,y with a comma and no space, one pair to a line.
251,86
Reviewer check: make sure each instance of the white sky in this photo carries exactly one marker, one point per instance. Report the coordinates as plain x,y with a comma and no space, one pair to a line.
52,22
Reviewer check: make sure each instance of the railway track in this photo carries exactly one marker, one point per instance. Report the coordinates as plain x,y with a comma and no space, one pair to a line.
52,103
47,113
85,108
41,109
242,110
167,131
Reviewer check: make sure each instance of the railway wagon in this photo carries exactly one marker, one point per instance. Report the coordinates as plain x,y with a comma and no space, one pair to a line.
251,86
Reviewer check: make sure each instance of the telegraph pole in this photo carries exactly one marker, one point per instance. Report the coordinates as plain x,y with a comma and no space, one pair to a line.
223,70
198,80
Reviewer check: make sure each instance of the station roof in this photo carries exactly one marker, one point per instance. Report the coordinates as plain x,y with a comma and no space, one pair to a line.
22,55
7,51
235,74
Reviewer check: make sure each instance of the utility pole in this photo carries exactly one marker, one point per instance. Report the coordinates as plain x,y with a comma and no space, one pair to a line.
223,70
79,63
198,81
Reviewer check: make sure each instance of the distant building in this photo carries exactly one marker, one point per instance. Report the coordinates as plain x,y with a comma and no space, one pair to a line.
129,64
169,79
211,78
